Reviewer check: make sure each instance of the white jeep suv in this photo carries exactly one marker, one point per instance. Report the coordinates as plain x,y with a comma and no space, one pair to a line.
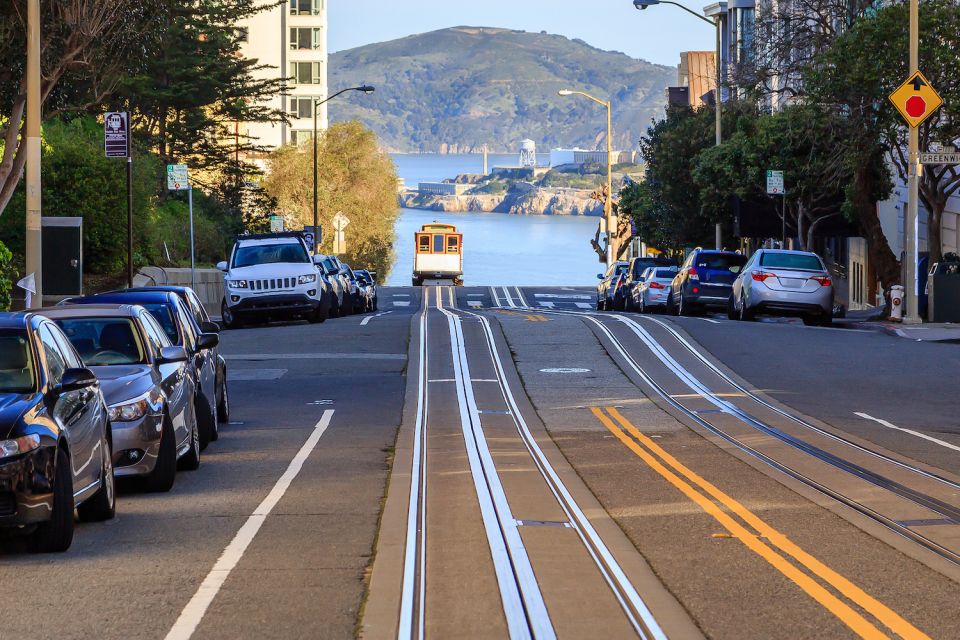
271,275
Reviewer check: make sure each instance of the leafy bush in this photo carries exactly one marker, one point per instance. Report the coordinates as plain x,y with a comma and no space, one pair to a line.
7,276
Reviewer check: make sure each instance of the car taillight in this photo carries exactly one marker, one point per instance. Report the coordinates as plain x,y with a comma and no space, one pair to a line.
656,285
823,280
760,276
692,273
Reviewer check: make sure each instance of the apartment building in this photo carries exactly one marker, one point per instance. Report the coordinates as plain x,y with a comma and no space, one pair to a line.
696,79
292,39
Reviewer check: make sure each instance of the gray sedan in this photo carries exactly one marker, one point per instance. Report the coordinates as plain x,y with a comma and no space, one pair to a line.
147,386
786,283
653,288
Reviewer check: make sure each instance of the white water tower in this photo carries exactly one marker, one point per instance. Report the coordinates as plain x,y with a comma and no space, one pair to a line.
528,153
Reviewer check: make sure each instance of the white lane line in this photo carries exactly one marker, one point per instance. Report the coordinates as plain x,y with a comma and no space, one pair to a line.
562,297
508,298
401,303
474,295
711,320
890,425
583,305
521,298
548,305
193,613
366,320
474,304
494,297
401,295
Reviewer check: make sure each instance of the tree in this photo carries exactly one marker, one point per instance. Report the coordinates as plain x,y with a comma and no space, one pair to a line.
354,176
87,46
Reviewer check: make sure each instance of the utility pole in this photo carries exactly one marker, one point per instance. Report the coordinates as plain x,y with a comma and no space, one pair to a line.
910,230
612,248
34,263
718,231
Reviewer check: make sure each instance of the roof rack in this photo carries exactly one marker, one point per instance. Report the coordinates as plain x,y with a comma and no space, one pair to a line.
268,236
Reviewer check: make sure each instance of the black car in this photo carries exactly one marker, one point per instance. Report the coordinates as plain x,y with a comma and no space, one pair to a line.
705,280
146,384
55,441
177,322
635,276
203,324
610,280
368,283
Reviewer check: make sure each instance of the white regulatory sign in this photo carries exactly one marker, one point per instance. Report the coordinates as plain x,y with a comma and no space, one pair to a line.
178,178
775,185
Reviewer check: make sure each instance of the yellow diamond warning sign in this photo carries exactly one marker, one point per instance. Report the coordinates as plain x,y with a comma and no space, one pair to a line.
916,100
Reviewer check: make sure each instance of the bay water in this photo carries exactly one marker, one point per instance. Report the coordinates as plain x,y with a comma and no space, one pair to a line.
498,249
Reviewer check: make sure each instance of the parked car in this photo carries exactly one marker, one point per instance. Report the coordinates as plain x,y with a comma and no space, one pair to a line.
55,440
779,282
356,295
614,276
704,280
368,282
270,275
330,269
145,382
635,274
653,290
201,324
175,320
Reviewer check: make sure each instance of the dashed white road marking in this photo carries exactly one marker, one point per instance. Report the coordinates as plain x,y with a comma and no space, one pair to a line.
476,304
366,320
193,613
890,425
401,303
548,305
564,296
583,305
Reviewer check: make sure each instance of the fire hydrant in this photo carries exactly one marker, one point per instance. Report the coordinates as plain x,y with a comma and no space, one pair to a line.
896,303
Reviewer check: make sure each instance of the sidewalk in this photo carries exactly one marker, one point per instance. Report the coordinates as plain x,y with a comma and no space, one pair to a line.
926,332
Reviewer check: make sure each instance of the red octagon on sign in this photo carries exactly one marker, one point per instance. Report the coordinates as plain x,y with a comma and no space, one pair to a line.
916,106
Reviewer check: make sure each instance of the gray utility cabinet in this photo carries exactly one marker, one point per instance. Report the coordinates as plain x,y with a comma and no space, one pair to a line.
62,256
944,282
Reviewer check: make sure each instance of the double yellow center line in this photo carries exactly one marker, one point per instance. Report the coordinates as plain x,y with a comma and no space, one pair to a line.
763,540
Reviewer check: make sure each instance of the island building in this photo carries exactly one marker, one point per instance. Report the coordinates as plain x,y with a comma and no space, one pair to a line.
291,38
582,156
696,80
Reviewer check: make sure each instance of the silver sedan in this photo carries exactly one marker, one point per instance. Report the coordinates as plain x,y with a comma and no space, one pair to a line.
653,290
786,283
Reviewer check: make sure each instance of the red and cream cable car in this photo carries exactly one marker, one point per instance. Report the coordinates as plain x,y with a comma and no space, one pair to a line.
438,254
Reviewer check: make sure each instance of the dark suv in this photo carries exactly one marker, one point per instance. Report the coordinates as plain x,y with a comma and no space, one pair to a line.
705,280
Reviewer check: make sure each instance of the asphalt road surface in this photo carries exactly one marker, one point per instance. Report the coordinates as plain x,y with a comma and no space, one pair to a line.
508,462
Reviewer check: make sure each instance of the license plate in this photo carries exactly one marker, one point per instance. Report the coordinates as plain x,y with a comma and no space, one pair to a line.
791,283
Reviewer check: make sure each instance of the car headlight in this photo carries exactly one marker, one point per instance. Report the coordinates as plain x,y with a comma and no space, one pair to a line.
16,446
129,410
237,284
307,279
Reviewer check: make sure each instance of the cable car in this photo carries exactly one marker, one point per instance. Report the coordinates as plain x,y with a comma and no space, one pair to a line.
438,254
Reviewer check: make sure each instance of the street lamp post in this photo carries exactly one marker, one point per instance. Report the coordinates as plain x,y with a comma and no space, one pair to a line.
316,214
608,201
643,4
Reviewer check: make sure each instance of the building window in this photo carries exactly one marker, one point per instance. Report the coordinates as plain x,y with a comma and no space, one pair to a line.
305,38
301,107
300,136
305,72
306,7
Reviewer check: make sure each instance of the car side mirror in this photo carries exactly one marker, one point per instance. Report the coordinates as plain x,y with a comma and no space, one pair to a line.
209,327
599,276
222,265
76,379
207,341
373,276
172,354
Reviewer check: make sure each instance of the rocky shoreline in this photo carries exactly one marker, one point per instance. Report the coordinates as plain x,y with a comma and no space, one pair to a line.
521,199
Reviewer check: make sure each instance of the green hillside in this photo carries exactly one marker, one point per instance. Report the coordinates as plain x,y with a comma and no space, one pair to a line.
458,89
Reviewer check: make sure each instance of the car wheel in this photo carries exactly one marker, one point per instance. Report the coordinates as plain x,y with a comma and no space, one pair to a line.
671,306
318,316
103,504
335,307
191,459
746,315
160,480
56,534
731,308
228,319
683,308
206,418
223,406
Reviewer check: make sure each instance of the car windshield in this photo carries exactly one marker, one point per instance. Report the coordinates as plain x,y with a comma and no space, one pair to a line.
164,315
800,261
667,274
620,269
104,341
16,363
291,252
721,261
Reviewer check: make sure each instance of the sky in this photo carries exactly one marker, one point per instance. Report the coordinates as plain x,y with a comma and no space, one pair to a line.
657,34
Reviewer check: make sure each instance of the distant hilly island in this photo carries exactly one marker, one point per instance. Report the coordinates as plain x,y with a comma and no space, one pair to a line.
456,90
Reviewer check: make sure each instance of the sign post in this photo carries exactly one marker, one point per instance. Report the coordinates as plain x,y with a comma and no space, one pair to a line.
775,187
117,144
178,179
916,100
340,223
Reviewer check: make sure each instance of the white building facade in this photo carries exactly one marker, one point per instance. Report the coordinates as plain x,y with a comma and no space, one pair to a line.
292,39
